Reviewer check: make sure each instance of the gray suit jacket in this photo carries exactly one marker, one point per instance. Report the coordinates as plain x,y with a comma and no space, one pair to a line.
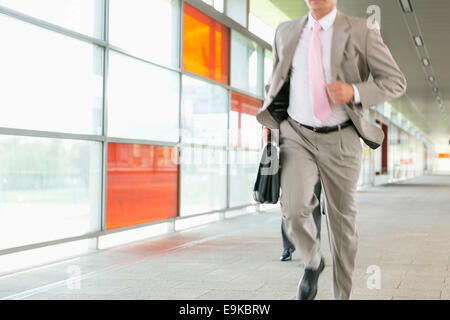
356,53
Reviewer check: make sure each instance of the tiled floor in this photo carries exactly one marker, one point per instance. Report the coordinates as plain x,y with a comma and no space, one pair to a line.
404,231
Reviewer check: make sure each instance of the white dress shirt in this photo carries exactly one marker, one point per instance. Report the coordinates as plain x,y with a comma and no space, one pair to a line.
300,100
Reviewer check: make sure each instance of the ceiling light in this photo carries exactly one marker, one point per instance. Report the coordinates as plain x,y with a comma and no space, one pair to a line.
406,6
431,78
426,62
418,40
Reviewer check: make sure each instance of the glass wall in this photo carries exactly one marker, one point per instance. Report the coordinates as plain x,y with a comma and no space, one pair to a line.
49,189
246,142
206,44
217,4
121,113
136,26
268,66
151,113
81,16
48,81
247,65
237,10
204,113
142,184
203,183
245,131
143,100
243,169
408,154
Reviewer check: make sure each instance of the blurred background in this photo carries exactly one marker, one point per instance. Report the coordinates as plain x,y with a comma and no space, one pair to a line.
122,119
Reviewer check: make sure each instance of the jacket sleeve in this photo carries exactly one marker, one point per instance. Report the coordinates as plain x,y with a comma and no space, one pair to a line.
275,61
388,81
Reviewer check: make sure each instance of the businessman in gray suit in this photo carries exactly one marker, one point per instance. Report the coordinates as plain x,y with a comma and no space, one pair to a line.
317,106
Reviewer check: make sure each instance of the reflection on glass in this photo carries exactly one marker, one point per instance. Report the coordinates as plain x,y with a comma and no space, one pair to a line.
83,16
49,189
245,130
149,29
203,180
247,64
204,112
261,29
237,10
217,4
49,81
268,66
142,100
142,184
243,170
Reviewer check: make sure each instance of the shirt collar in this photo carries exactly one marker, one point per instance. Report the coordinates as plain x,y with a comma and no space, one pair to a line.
326,22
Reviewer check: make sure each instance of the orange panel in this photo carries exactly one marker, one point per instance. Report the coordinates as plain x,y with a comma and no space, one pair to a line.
206,45
142,184
444,156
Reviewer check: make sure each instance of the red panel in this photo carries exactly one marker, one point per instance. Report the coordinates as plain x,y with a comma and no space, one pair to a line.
142,184
243,104
384,149
206,45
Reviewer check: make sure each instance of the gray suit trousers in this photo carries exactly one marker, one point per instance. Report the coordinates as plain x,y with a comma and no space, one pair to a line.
336,158
317,215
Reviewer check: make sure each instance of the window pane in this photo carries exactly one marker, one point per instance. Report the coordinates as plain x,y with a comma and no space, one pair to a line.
48,81
245,130
49,189
237,10
217,4
143,100
204,112
149,29
268,66
206,45
203,180
261,29
247,64
142,184
83,16
243,170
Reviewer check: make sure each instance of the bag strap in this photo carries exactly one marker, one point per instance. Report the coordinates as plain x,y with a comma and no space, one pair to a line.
269,143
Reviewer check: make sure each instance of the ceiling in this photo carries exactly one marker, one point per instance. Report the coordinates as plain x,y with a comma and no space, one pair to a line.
430,20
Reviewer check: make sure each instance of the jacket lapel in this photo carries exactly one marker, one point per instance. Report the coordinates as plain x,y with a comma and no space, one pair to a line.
338,43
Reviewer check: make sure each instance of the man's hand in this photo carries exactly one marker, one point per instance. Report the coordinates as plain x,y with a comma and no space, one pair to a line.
340,92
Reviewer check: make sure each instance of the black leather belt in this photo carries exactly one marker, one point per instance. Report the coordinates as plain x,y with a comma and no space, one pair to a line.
328,129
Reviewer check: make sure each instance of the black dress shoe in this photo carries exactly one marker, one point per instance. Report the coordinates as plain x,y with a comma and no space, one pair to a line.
286,255
307,288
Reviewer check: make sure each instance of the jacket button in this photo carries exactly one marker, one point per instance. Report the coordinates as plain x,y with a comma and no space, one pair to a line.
283,77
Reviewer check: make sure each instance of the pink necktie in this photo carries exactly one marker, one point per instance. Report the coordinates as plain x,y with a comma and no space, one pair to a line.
317,84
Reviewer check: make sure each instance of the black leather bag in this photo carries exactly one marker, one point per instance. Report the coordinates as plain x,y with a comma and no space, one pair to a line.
267,184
